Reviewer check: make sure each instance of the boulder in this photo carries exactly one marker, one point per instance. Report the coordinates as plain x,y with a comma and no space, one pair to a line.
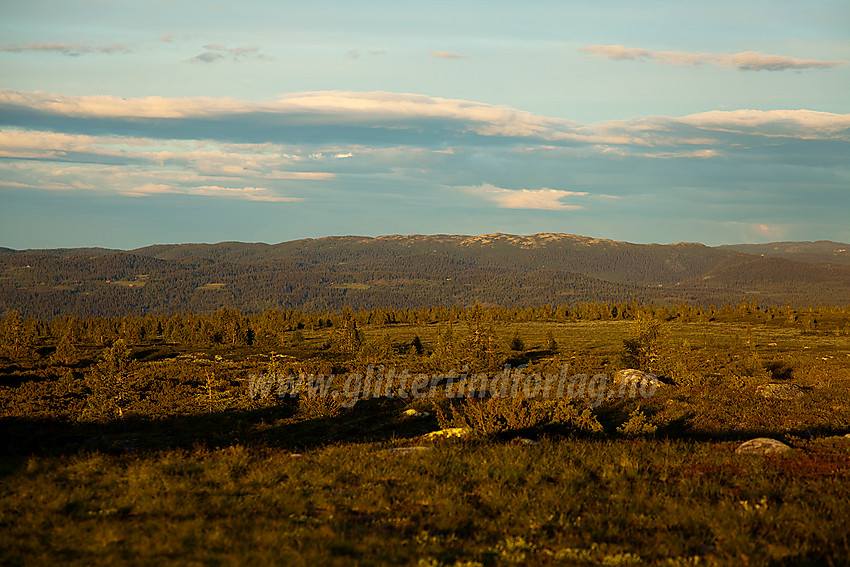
449,432
779,391
763,446
631,377
414,413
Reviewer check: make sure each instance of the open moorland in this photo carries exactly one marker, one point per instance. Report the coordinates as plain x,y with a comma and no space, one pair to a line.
300,438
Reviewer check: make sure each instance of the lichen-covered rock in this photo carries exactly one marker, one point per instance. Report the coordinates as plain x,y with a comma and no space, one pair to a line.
763,446
779,391
631,377
449,432
414,413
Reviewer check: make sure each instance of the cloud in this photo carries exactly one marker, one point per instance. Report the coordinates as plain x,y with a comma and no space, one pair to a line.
148,189
355,54
363,148
743,61
391,119
447,55
167,37
705,153
250,193
207,57
801,124
69,49
142,167
217,52
394,116
403,156
755,61
544,199
756,231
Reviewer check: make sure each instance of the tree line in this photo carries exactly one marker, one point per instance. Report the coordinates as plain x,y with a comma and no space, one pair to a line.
228,327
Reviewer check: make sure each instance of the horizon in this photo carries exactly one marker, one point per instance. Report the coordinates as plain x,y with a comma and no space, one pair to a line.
493,234
122,125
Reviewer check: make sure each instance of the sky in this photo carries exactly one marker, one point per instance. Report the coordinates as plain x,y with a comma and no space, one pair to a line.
125,123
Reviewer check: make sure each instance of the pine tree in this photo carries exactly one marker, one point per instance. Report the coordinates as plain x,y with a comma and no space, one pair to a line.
110,383
214,395
551,344
416,345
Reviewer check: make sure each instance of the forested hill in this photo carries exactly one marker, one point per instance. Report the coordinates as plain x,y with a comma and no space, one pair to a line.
415,271
825,251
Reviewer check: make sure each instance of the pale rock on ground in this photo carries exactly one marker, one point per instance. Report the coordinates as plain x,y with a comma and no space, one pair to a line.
779,391
448,433
414,413
632,377
763,446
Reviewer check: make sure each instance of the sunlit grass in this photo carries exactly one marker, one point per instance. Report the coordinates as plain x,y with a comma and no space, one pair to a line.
462,501
655,482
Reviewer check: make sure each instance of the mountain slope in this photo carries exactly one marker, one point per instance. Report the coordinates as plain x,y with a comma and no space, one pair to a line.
608,259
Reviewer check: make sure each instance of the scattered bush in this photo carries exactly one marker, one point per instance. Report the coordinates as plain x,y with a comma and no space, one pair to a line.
517,344
637,425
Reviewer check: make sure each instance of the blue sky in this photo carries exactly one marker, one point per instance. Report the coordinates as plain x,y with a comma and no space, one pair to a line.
124,124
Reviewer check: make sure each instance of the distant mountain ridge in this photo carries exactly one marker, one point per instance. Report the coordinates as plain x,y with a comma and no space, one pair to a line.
416,270
820,251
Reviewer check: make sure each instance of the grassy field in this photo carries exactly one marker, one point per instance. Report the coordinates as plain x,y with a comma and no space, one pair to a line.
195,471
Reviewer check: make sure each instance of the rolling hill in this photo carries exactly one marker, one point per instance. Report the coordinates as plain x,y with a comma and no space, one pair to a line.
413,271
821,251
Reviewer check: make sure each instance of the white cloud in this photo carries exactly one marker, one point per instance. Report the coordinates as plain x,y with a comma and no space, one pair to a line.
342,107
743,61
257,160
250,193
804,124
139,167
148,189
405,141
430,118
756,231
70,49
545,199
705,153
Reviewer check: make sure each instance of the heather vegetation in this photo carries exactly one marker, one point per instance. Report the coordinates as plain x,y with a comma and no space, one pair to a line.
167,439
